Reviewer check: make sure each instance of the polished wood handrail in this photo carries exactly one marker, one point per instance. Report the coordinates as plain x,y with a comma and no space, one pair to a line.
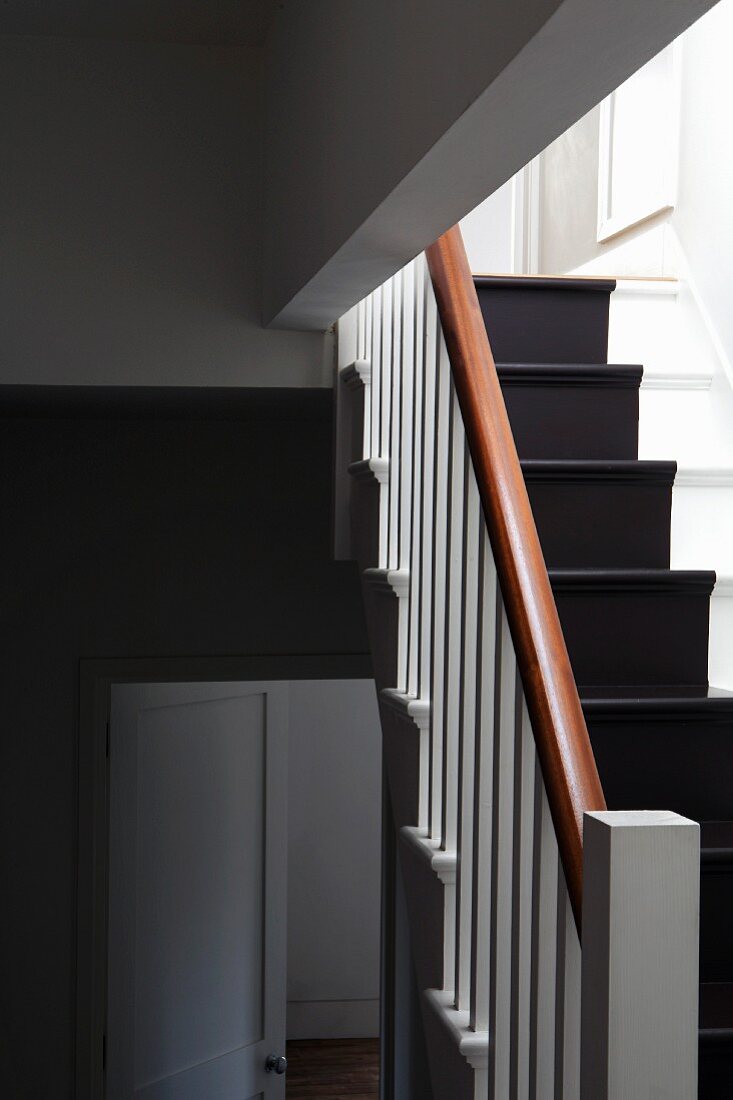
563,746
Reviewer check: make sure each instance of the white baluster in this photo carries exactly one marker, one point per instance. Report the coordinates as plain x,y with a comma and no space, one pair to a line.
544,953
483,786
470,599
500,970
375,357
360,334
439,594
386,369
365,448
385,416
416,412
428,533
524,801
567,999
395,432
407,412
456,520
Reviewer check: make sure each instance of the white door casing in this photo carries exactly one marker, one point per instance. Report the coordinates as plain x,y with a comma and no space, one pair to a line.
197,891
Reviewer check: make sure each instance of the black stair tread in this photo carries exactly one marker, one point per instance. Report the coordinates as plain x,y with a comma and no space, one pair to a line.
617,375
546,282
650,472
669,581
716,842
716,1011
684,700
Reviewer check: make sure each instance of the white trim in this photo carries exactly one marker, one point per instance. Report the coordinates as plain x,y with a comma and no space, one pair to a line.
648,287
525,247
611,223
641,943
676,381
611,227
443,863
394,580
367,468
707,476
473,1045
409,706
358,372
707,320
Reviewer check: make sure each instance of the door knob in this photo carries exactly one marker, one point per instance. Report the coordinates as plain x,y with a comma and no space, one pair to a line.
275,1063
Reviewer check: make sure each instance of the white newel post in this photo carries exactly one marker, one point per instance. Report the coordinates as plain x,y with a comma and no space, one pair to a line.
640,956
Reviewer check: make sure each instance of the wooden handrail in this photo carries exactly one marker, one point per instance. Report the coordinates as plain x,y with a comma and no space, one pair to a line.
563,746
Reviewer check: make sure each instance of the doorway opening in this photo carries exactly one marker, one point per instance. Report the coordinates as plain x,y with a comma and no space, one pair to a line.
238,826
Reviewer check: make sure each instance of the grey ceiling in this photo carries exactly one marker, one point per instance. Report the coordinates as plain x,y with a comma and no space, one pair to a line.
240,22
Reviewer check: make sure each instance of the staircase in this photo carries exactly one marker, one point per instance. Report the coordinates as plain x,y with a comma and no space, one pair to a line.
488,877
661,737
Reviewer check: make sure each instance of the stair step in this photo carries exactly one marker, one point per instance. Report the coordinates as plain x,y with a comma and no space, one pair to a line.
716,901
716,1041
664,747
529,318
635,626
602,513
572,410
365,505
384,592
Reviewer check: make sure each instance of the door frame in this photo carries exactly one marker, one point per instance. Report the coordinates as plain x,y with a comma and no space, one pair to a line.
96,677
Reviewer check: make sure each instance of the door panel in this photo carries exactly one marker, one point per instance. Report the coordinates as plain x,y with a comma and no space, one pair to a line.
196,997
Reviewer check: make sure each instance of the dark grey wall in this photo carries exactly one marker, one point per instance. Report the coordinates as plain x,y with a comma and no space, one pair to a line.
135,527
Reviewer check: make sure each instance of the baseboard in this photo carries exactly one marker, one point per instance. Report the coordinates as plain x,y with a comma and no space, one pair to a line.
333,1019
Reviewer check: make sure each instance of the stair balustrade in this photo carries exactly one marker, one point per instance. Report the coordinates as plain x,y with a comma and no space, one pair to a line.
493,784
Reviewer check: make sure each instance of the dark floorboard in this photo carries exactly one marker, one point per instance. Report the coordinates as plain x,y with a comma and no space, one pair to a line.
333,1068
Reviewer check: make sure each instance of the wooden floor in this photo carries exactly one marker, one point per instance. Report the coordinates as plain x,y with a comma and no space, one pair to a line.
333,1068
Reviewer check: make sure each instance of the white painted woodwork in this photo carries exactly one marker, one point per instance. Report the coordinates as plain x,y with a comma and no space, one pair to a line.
470,598
544,975
385,403
522,883
483,792
439,594
506,1022
347,352
638,146
407,417
500,967
375,358
567,998
427,542
416,711
671,308
415,459
394,426
640,955
197,874
453,653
